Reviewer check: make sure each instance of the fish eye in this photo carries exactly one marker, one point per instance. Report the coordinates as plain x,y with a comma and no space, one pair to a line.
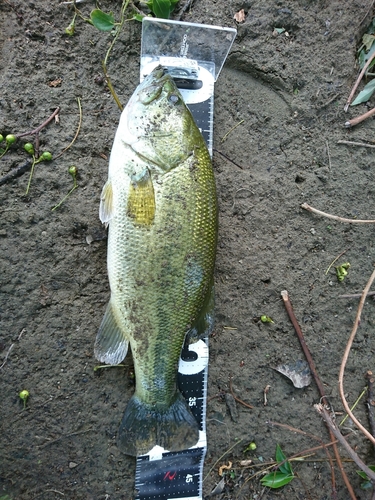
173,99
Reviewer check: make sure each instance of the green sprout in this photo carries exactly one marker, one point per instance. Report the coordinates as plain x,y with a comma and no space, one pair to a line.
266,319
99,367
342,271
46,156
9,140
250,447
282,476
162,8
24,396
73,171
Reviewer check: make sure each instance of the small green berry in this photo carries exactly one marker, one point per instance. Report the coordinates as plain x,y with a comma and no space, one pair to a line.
29,148
1,138
10,139
73,170
24,395
266,319
46,156
252,446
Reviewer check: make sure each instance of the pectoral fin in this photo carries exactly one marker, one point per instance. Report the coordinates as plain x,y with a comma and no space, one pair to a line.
111,345
141,199
106,203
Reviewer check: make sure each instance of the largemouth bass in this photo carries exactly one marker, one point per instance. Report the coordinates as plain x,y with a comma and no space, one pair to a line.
160,204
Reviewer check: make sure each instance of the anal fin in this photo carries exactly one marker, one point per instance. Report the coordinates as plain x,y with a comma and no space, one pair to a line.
111,345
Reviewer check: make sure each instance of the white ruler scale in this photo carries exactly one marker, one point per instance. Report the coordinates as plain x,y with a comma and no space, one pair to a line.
193,55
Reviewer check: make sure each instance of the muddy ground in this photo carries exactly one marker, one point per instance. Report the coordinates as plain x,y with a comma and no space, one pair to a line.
288,92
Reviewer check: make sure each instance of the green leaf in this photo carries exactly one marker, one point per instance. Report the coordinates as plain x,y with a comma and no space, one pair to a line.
161,8
276,479
101,20
285,468
365,94
137,17
367,41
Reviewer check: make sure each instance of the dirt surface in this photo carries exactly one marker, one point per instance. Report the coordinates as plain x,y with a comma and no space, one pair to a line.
286,93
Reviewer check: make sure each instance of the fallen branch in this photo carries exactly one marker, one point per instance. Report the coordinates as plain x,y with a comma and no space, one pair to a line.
335,217
345,358
353,455
319,384
359,119
370,401
353,143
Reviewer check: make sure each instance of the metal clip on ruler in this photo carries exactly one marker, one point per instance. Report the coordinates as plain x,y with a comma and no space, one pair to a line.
193,54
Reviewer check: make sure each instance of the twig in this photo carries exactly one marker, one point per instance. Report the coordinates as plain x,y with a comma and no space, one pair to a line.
323,445
359,119
77,132
353,406
328,420
318,382
355,295
289,309
370,401
37,130
16,172
236,398
334,260
188,4
345,358
227,158
350,98
265,392
221,457
231,130
335,217
125,4
352,143
329,156
6,356
64,436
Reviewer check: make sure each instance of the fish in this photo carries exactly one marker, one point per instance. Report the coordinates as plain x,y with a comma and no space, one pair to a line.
160,206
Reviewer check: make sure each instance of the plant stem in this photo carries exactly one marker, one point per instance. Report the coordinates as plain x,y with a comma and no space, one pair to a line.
318,382
345,358
328,420
125,4
335,217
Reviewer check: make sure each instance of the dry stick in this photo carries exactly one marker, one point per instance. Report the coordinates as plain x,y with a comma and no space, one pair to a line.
352,143
350,98
288,307
77,131
345,358
323,445
37,130
354,295
236,398
359,119
335,260
335,217
353,455
370,401
16,172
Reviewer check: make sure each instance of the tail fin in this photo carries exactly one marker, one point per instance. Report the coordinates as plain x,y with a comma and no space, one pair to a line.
143,426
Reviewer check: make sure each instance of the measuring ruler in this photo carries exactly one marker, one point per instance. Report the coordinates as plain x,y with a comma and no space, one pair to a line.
193,54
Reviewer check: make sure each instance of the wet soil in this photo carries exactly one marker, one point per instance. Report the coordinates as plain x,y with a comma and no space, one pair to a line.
286,93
